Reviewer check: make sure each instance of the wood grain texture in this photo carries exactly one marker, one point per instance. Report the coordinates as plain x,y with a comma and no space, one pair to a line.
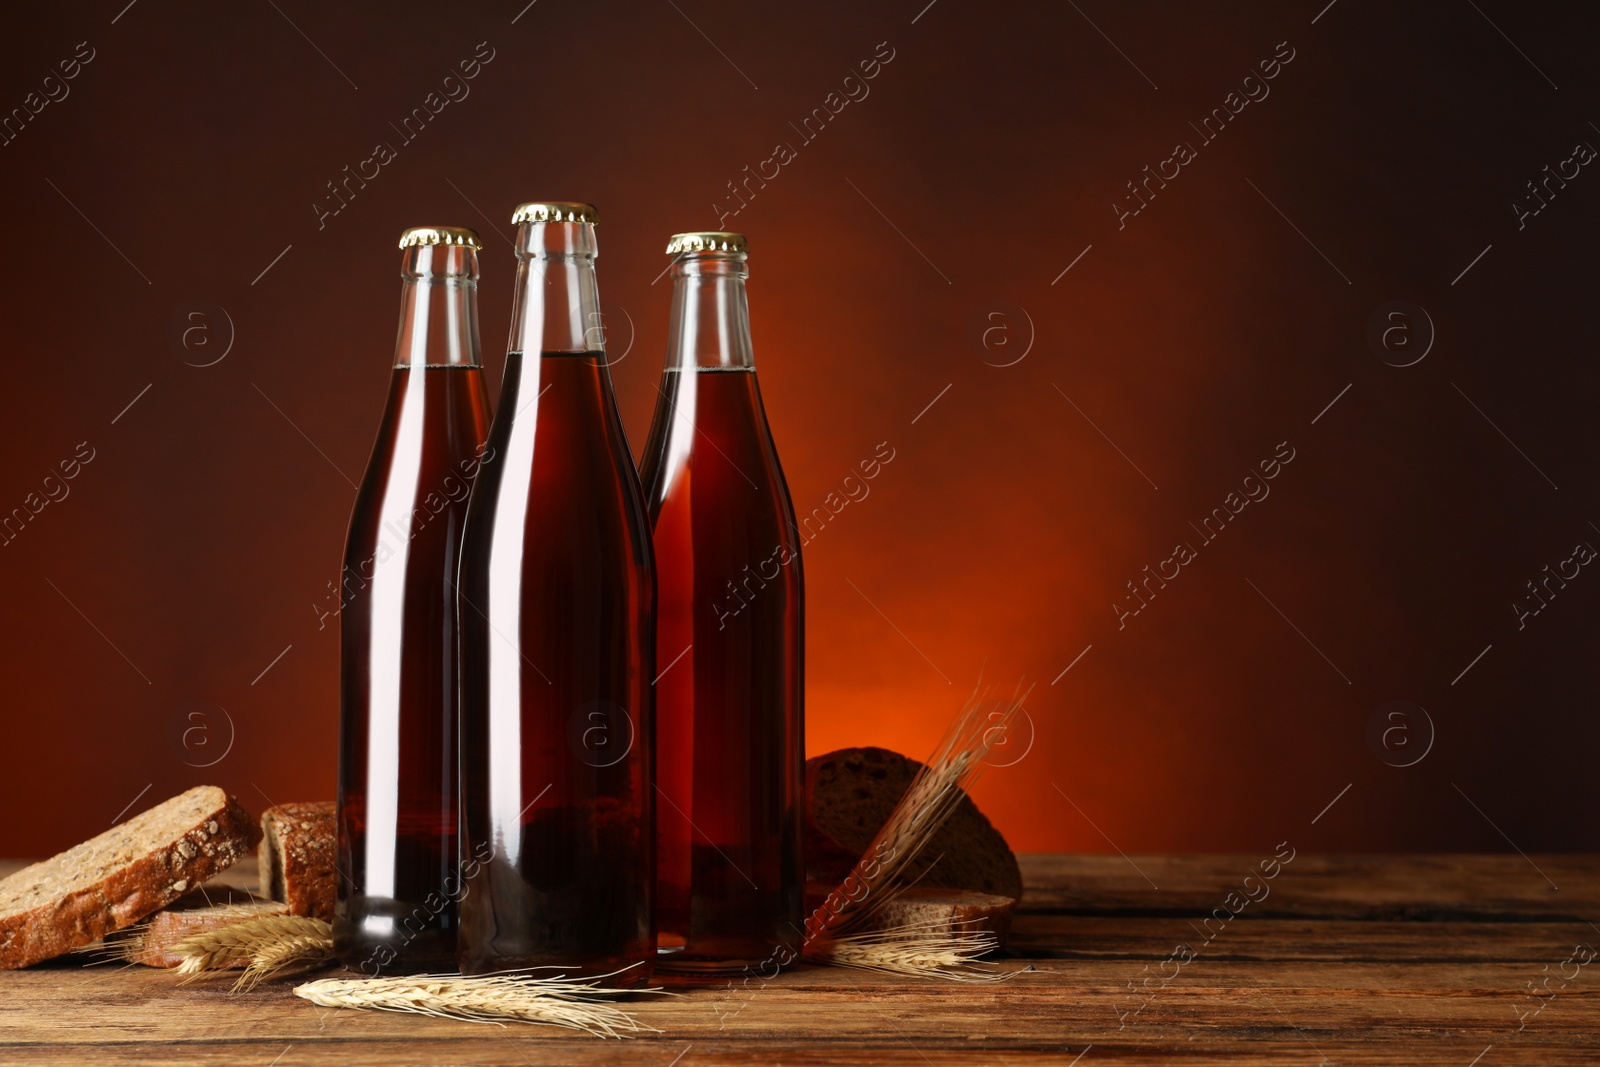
1346,960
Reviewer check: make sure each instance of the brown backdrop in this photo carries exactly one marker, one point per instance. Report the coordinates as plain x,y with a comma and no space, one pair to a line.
947,236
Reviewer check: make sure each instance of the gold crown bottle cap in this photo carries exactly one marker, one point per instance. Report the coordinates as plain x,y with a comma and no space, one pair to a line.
440,235
708,241
555,211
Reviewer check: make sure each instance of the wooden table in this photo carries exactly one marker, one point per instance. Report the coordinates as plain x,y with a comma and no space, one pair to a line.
1345,960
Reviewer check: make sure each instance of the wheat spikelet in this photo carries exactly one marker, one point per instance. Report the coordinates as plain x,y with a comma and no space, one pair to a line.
921,951
933,795
280,952
577,1005
197,960
215,949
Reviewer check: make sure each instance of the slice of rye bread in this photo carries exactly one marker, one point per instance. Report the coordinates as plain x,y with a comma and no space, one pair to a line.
197,913
121,876
932,911
849,795
298,843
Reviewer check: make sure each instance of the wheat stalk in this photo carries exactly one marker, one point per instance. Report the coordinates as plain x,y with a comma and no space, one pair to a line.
950,956
924,950
274,944
933,796
929,949
281,952
558,1001
215,949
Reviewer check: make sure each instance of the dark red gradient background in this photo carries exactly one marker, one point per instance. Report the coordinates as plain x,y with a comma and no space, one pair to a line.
192,549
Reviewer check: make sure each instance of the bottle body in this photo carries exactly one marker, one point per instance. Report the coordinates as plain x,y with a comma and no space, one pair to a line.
398,779
557,606
730,623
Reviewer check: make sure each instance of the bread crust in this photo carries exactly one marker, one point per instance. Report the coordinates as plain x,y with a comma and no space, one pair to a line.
156,874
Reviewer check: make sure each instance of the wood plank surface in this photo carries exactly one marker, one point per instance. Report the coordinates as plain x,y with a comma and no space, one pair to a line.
1343,960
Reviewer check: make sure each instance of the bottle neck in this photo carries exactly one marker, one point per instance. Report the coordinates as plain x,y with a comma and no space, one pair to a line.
557,302
438,307
710,317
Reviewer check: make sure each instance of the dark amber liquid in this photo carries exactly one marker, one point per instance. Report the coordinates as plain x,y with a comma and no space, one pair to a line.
556,621
730,734
398,783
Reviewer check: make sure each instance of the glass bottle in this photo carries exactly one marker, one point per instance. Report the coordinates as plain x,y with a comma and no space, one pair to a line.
398,782
730,628
557,614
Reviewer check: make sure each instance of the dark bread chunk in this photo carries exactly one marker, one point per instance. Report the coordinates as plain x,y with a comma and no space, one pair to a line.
298,843
849,795
119,877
